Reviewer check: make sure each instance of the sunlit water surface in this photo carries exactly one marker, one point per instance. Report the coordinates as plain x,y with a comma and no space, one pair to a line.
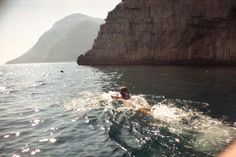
45,112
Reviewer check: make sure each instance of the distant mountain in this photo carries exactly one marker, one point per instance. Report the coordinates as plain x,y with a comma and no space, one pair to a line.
68,38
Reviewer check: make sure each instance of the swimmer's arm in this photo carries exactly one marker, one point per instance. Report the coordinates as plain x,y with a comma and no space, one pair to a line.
145,111
115,97
120,99
230,151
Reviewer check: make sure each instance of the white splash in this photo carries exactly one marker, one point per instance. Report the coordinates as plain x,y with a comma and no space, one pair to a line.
17,134
6,136
35,151
43,140
52,140
136,102
168,114
24,150
2,88
88,101
208,133
35,122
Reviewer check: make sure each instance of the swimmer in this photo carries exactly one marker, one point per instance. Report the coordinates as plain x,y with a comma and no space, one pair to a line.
124,94
125,97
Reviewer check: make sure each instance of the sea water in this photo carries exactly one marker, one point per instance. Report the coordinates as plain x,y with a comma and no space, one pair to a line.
63,109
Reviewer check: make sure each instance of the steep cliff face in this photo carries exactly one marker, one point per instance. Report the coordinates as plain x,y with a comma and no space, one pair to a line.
167,32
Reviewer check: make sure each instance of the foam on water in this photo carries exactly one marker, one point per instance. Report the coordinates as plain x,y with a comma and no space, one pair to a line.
207,134
2,89
87,101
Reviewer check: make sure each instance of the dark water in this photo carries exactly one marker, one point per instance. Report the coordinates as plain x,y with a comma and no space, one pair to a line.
44,112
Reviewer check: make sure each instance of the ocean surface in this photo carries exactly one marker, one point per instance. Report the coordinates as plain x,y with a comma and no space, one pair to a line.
48,113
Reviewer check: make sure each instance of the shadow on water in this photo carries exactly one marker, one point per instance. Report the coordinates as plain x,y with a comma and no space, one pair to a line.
212,85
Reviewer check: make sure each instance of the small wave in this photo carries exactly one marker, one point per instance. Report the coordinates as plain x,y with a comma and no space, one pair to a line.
4,90
38,84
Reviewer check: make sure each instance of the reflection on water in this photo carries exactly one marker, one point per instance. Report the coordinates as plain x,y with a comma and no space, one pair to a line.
44,112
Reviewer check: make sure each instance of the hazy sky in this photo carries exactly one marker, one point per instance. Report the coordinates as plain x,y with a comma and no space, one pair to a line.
22,22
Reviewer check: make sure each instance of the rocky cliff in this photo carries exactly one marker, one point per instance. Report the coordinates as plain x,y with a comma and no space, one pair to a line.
67,38
167,32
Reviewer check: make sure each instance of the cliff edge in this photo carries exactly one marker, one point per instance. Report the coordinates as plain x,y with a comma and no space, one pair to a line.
167,32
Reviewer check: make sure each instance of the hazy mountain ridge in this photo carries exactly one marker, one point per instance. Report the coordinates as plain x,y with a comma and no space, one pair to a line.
67,38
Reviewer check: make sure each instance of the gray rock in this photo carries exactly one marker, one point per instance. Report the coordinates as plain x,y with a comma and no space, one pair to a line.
68,37
201,32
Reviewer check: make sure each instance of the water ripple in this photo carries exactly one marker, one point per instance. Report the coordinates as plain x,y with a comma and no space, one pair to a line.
47,113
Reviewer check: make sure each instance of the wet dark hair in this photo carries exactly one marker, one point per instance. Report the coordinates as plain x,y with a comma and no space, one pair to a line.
124,92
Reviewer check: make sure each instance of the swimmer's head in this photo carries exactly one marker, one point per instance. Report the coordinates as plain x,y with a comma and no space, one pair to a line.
124,92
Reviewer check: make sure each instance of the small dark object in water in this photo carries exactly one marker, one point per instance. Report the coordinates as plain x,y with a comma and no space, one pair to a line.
62,71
